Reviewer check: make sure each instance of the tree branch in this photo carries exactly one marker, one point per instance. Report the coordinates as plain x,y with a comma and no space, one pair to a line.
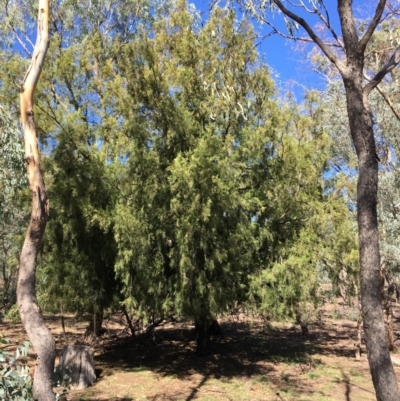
327,23
386,98
362,44
389,66
328,53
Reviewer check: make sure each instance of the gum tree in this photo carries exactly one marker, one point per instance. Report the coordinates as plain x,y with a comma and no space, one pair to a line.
346,50
31,314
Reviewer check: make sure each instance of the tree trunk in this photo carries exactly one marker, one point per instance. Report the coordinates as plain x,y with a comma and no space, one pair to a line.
389,325
205,328
129,321
361,128
357,345
31,315
77,364
302,324
96,324
203,333
350,64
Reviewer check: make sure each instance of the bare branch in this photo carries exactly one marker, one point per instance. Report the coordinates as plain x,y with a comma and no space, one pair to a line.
389,102
386,98
327,23
324,18
276,31
316,39
362,44
389,66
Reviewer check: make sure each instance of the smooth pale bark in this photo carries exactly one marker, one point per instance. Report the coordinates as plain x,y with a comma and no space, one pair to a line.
31,315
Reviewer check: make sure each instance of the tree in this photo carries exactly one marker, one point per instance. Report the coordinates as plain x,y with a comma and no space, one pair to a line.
209,158
77,262
31,315
349,61
386,117
185,236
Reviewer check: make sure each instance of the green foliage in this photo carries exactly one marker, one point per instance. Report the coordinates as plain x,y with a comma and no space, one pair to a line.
13,314
12,219
218,183
312,231
77,268
12,167
184,229
178,182
15,380
76,121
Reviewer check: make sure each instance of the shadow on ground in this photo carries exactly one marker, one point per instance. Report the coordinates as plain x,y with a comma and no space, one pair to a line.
242,351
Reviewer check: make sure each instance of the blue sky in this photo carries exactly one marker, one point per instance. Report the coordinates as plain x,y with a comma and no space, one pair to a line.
289,66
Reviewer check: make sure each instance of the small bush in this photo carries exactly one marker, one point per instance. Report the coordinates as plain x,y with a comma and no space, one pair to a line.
13,314
15,380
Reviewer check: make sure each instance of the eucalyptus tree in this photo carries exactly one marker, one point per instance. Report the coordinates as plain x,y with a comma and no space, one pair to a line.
346,51
31,315
385,110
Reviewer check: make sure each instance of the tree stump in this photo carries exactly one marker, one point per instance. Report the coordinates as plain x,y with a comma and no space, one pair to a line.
78,360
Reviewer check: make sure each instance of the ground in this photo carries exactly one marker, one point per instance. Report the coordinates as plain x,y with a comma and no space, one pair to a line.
252,361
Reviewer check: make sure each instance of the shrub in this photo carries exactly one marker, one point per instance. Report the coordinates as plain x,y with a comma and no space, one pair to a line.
15,380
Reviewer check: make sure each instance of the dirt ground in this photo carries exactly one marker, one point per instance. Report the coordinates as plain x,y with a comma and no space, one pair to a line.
250,361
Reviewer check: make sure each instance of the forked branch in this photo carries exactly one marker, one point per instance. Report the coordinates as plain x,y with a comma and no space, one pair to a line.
389,66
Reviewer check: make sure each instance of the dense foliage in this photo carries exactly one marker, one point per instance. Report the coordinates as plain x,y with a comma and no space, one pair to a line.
180,184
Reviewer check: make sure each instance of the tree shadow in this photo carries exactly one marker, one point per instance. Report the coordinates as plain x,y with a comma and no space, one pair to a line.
195,390
349,384
244,350
118,399
346,381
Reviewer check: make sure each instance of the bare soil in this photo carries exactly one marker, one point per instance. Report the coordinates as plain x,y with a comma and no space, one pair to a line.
251,361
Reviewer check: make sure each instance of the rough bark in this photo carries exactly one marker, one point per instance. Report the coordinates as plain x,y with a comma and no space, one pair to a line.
31,315
77,364
361,128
